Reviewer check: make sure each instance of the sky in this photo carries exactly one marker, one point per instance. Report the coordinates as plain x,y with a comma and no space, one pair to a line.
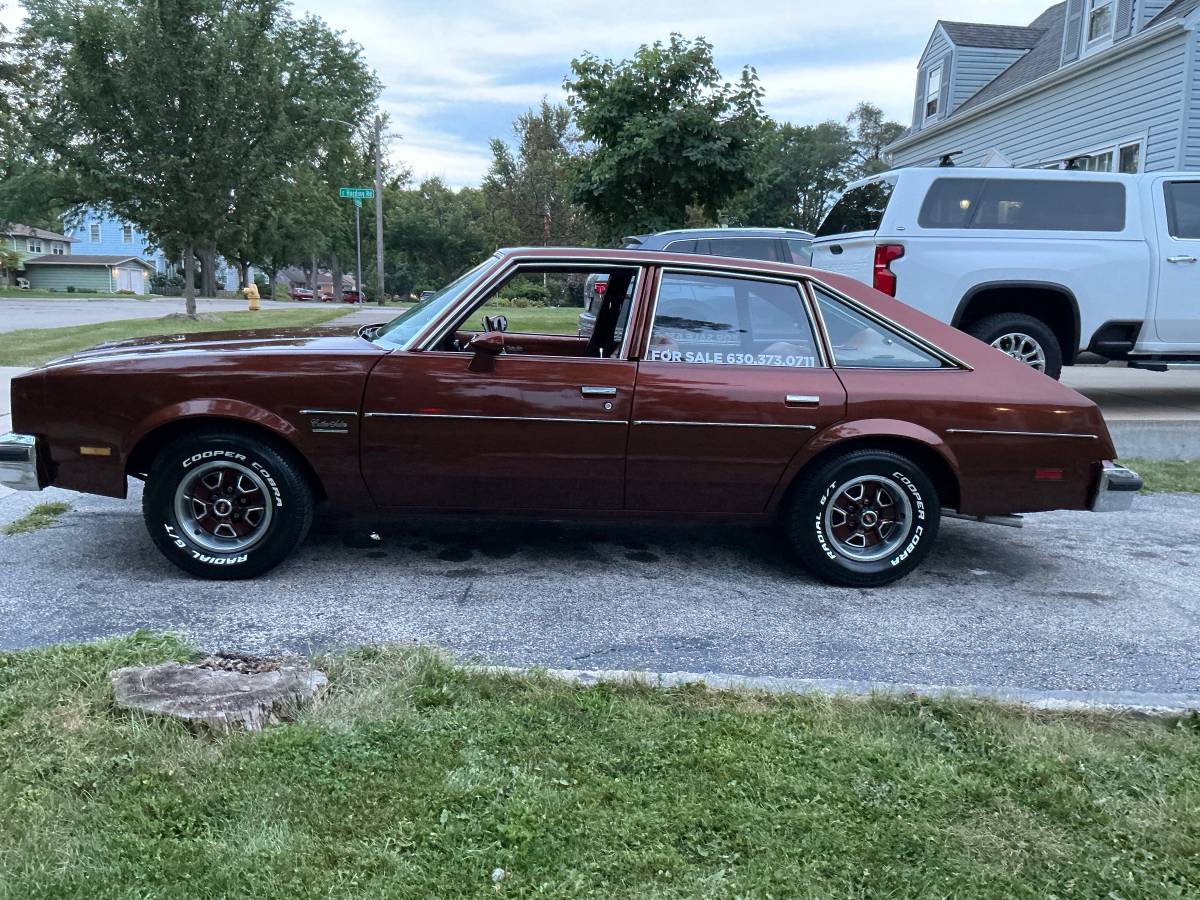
455,74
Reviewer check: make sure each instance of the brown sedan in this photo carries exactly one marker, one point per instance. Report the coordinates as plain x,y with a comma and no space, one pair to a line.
709,389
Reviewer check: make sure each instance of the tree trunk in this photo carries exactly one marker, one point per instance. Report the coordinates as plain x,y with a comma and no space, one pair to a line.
336,269
243,274
208,271
312,281
189,280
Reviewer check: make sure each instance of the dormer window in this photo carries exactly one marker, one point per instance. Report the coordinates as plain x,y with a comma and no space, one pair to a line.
1100,21
933,93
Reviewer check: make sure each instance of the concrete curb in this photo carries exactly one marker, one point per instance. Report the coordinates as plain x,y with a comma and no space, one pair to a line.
1156,438
1062,701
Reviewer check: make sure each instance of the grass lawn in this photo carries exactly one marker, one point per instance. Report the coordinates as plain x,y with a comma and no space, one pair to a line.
1164,475
34,346
415,779
542,320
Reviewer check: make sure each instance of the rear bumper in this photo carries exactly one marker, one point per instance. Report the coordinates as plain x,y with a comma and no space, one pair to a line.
19,462
1116,489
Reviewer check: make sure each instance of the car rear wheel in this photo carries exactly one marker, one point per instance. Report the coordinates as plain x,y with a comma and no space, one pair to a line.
220,504
864,519
1024,338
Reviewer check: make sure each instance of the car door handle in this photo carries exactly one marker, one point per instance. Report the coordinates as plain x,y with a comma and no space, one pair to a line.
1182,260
802,400
590,391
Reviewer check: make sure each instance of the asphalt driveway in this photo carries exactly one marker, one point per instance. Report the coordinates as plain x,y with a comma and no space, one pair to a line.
1073,601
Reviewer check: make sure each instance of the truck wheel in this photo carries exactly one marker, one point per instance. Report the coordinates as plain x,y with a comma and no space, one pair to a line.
221,504
1023,338
864,519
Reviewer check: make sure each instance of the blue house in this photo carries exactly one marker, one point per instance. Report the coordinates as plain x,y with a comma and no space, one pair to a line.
99,233
1103,85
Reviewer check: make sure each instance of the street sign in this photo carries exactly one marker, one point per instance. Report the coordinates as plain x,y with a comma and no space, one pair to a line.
353,193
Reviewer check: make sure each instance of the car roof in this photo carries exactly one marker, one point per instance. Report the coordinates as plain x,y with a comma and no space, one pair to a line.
931,172
636,256
666,237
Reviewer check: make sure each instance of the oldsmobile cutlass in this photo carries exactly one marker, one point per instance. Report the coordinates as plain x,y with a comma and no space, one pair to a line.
710,388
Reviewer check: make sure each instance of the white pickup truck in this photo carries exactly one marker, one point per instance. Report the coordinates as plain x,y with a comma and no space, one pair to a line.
1042,264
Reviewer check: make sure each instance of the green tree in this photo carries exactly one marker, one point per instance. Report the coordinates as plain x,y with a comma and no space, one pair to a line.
871,134
797,171
532,186
433,234
666,132
174,113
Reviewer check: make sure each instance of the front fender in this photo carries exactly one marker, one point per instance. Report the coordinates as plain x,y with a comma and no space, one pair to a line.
214,407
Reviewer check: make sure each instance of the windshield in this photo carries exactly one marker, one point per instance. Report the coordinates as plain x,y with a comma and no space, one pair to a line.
406,326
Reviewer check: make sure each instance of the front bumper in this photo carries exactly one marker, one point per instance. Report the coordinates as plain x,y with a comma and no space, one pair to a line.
19,462
1116,489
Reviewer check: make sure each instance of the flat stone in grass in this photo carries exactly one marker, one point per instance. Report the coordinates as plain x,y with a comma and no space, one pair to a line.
220,692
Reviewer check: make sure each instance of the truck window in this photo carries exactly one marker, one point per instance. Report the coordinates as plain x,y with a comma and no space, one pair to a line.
1018,204
1183,209
859,209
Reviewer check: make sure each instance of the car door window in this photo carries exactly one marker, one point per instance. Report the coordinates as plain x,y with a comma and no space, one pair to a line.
724,320
859,342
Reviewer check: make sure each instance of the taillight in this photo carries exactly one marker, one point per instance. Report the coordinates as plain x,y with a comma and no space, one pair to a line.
885,278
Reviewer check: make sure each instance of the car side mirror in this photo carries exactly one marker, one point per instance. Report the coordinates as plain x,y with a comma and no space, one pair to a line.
485,348
490,343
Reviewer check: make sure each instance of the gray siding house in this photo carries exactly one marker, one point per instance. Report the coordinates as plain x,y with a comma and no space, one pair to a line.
1103,85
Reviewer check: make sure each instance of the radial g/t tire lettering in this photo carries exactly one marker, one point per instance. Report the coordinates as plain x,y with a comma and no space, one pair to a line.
224,505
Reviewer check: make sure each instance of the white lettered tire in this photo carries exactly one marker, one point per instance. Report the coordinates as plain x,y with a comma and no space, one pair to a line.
864,519
222,504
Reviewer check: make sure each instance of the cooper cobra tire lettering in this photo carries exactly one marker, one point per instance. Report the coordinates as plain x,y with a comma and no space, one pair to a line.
282,485
805,518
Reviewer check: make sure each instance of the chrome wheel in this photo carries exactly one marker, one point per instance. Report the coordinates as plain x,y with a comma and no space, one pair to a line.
1022,347
224,506
868,519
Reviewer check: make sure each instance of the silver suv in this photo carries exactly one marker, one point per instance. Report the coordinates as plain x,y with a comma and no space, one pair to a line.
788,245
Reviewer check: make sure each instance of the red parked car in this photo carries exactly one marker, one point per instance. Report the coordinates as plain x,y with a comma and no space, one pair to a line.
352,297
300,294
743,391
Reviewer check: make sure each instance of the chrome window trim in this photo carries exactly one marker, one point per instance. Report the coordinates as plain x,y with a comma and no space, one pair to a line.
1040,434
471,300
880,319
796,283
672,422
559,420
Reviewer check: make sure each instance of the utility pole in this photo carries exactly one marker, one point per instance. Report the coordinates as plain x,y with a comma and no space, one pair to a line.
378,212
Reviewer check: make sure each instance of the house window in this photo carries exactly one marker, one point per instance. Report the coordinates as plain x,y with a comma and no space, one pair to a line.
94,233
933,92
34,245
127,234
1100,20
1130,159
58,248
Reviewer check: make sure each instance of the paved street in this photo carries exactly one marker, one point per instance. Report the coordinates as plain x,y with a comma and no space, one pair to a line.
1074,601
16,313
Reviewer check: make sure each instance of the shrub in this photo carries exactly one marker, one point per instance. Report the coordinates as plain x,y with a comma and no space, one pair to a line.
70,288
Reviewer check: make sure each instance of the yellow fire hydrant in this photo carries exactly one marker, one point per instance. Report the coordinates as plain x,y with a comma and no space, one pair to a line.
251,293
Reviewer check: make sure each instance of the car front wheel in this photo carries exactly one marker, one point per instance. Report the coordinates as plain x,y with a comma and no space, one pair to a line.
864,519
220,504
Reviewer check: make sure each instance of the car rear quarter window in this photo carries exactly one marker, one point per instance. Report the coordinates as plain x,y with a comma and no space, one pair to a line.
1183,209
725,320
801,252
859,342
1024,204
681,247
859,209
